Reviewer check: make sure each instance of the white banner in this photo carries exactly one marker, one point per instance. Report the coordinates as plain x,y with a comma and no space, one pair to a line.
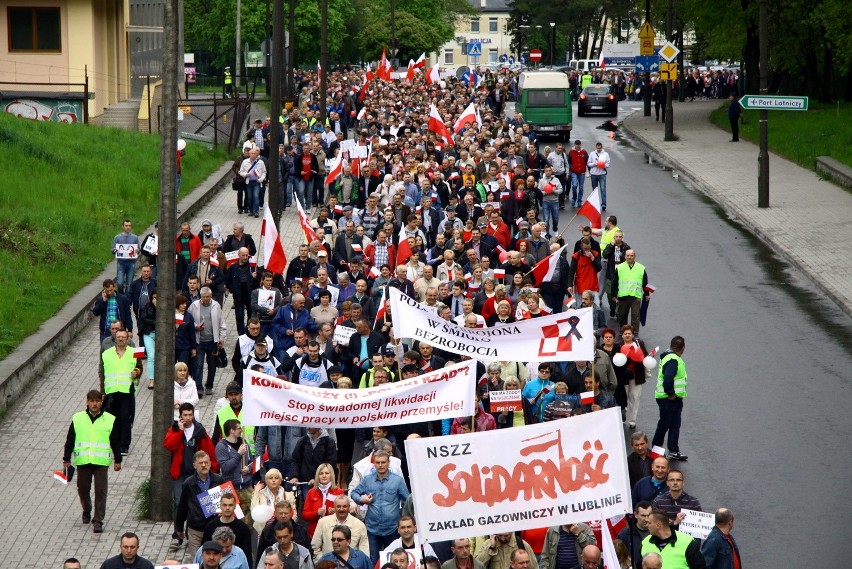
442,394
126,252
342,334
697,524
561,472
567,336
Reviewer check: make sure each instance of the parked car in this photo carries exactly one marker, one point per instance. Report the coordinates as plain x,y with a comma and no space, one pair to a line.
597,99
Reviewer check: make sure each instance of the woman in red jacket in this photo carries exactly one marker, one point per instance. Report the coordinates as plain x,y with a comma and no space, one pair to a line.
319,501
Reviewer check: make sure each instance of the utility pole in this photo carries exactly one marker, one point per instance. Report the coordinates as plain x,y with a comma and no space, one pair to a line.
163,409
669,136
275,193
323,86
763,156
552,41
646,82
291,53
238,68
393,42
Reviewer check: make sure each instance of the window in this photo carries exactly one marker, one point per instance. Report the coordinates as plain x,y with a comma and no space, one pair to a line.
492,55
538,98
474,25
492,25
34,29
449,57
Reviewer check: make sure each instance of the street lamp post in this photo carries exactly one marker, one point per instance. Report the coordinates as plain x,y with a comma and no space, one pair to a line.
552,41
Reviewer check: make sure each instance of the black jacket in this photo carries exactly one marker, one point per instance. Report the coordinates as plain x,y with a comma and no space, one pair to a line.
267,537
189,511
307,458
375,342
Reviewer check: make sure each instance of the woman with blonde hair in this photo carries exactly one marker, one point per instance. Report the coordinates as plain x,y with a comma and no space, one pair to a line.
319,501
185,390
266,496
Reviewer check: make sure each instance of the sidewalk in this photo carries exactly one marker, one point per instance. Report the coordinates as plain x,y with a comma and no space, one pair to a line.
33,433
805,213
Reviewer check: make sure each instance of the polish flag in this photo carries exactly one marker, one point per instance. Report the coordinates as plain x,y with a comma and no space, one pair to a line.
335,170
649,288
499,273
375,272
543,270
616,524
319,71
468,277
310,234
421,61
274,259
355,165
338,209
384,67
412,71
380,313
231,257
610,559
357,248
139,352
60,476
256,465
433,75
436,125
587,397
214,259
657,452
454,176
469,116
591,209
253,261
178,318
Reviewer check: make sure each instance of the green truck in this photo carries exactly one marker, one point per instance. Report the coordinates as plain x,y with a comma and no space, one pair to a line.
545,102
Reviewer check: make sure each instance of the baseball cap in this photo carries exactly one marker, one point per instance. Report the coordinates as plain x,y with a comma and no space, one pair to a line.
260,342
347,208
388,351
322,253
233,387
524,225
211,546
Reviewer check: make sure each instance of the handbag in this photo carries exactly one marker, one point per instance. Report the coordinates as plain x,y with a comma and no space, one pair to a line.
221,358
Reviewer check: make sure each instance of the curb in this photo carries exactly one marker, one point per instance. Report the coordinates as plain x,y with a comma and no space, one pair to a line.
732,212
38,351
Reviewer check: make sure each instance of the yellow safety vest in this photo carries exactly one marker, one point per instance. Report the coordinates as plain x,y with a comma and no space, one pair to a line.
117,371
673,554
679,378
586,80
225,414
91,439
630,279
607,235
228,79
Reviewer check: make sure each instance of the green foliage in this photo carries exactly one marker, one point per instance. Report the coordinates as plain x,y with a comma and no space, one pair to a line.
80,183
414,36
801,136
142,499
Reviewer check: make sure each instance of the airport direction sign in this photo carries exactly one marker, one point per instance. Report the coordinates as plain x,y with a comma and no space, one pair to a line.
774,102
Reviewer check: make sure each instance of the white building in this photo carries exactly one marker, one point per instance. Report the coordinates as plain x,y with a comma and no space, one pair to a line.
488,29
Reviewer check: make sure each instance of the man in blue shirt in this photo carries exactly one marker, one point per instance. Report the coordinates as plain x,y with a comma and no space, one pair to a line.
385,493
343,556
539,392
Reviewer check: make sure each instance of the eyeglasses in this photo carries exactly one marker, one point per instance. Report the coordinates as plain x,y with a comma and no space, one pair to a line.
544,371
335,539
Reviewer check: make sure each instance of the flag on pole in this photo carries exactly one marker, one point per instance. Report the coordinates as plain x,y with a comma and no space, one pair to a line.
436,125
499,273
469,116
139,352
384,68
335,170
587,397
60,476
256,465
543,270
310,234
380,313
434,74
591,209
274,259
178,318
657,452
610,559
231,257
409,75
319,71
375,272
421,61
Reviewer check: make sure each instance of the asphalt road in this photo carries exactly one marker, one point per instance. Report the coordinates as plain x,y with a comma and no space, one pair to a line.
765,353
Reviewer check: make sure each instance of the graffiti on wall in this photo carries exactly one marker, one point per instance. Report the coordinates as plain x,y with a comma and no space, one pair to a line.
54,110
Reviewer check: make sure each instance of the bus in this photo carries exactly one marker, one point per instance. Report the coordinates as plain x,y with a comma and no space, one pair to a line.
544,99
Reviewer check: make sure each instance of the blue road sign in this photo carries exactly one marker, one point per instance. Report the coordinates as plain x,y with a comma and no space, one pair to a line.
504,58
647,63
474,49
511,59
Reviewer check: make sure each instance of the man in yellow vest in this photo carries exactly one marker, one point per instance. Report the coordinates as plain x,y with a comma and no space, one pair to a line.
233,410
670,393
678,550
229,83
92,444
628,288
121,372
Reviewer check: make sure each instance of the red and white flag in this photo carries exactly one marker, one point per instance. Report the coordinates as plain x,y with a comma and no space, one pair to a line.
214,259
384,67
469,116
60,476
338,209
436,125
253,261
274,259
421,61
380,313
319,71
610,559
357,248
178,318
231,257
587,397
434,74
543,270
139,352
335,170
499,273
657,452
650,289
375,272
362,113
256,465
412,71
591,209
310,234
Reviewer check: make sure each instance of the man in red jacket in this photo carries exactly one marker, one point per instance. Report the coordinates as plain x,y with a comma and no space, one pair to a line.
186,437
578,158
583,272
498,229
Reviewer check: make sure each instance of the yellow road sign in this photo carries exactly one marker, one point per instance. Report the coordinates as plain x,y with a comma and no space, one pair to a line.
186,109
647,31
668,71
669,51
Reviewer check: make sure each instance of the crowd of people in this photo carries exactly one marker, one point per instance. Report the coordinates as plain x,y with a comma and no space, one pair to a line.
458,227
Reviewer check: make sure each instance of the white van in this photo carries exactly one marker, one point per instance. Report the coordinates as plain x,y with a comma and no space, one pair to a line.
583,64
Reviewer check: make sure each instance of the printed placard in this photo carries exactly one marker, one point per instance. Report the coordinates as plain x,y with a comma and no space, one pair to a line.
126,252
505,401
